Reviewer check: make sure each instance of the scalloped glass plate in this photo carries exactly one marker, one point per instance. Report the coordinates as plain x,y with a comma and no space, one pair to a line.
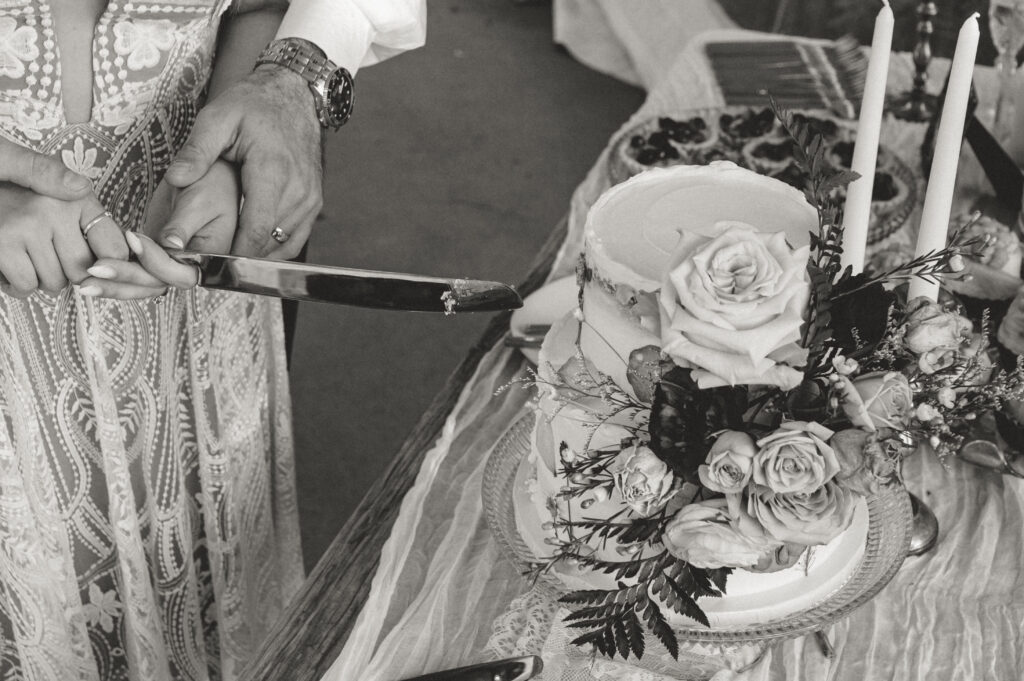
889,521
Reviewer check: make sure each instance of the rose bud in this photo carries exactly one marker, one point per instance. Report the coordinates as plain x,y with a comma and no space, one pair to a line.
644,480
878,400
727,468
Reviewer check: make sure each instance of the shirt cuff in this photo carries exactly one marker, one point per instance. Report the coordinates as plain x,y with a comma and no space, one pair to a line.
340,29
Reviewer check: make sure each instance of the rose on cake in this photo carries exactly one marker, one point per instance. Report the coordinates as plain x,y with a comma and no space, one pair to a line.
644,481
705,535
733,305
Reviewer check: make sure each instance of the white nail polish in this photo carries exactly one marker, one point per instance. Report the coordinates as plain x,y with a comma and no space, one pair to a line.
102,272
175,242
134,242
90,291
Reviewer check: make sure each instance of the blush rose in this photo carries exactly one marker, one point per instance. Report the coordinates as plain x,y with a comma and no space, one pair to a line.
732,307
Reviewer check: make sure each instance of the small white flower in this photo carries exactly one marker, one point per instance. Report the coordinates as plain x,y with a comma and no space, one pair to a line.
926,413
956,263
845,366
947,397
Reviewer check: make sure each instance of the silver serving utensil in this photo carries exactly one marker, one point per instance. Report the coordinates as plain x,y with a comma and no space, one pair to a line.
346,286
512,669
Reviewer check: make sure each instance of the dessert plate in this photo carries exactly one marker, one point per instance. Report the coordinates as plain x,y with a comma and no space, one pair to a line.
540,310
888,538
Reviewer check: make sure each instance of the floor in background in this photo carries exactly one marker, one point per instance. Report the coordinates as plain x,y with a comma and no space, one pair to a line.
460,159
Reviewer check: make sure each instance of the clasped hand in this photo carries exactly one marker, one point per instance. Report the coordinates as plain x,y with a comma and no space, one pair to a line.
44,209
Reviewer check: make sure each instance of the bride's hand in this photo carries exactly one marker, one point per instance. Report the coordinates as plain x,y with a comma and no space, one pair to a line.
204,218
41,240
148,276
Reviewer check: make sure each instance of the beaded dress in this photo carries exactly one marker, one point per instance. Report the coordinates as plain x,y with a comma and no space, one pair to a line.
148,524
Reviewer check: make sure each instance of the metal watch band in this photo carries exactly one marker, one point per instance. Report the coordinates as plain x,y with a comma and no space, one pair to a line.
331,86
301,56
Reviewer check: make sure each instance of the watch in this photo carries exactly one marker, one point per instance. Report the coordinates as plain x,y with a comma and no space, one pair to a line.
331,85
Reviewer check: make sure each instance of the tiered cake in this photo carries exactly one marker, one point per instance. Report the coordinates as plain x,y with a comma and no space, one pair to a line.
631,233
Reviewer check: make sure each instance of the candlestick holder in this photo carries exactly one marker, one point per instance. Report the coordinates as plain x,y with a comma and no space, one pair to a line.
917,104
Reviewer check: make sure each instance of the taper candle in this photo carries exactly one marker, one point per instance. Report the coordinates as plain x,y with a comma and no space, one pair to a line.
938,201
857,212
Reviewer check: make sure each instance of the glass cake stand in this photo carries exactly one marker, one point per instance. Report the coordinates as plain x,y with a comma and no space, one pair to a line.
888,538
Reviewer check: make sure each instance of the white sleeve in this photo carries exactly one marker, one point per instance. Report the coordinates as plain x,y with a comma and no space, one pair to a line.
357,33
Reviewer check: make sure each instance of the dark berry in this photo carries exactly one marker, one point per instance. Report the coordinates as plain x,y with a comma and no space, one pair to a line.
884,188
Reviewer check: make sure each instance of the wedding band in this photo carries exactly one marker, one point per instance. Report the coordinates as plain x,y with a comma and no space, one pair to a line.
95,221
280,236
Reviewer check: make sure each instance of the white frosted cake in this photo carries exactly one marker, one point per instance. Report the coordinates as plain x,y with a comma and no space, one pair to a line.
631,233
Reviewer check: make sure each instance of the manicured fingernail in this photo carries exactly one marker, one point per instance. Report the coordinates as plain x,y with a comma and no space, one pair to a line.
180,166
174,242
90,290
134,242
75,182
102,272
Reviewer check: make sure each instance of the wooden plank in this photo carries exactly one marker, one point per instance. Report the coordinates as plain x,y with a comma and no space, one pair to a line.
313,630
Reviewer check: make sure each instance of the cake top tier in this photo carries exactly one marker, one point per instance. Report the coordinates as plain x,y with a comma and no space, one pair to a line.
634,227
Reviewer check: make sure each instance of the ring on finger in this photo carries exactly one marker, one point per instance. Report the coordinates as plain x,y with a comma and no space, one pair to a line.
105,215
279,235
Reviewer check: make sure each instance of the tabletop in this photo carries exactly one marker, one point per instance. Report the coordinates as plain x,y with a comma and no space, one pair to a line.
414,582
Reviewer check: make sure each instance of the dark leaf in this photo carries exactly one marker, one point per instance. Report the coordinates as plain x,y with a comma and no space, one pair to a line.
866,310
719,576
683,417
661,630
587,597
635,633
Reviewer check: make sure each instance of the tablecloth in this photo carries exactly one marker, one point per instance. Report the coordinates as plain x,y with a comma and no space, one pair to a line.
444,596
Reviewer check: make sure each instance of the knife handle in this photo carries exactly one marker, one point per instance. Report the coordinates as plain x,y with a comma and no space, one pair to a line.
512,669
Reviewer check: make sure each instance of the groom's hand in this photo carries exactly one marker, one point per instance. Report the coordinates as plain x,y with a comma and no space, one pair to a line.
266,124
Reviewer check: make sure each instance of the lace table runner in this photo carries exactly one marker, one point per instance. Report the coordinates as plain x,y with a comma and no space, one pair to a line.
444,597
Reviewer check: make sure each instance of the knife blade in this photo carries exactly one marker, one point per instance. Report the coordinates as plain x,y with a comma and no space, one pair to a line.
512,669
347,286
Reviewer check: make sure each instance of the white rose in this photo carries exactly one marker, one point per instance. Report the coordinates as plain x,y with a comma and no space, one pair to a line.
733,305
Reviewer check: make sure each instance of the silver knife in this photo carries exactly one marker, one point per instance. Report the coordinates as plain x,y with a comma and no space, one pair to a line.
345,286
512,669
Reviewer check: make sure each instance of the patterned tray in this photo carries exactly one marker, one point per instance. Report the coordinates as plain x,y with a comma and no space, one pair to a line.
888,538
731,133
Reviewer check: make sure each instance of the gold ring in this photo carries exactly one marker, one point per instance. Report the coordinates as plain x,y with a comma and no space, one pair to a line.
95,221
279,235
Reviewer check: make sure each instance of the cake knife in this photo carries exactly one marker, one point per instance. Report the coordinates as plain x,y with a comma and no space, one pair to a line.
512,669
346,286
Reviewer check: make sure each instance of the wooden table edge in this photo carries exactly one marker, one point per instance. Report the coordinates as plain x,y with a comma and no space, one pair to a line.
314,628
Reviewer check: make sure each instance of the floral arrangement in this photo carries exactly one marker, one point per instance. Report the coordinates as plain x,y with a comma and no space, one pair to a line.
785,389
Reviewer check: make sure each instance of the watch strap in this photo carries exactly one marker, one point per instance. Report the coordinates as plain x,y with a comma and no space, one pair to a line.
301,56
331,86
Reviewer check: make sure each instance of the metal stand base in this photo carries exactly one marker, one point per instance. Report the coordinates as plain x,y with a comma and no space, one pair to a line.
925,530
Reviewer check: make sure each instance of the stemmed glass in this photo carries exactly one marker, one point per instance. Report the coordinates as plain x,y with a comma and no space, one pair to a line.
1006,21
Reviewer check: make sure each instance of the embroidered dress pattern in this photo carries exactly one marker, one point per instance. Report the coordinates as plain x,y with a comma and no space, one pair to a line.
148,522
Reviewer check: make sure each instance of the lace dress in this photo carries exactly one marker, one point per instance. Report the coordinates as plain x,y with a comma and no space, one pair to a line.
148,525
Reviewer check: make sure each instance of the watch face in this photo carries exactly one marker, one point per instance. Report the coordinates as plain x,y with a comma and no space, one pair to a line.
339,98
